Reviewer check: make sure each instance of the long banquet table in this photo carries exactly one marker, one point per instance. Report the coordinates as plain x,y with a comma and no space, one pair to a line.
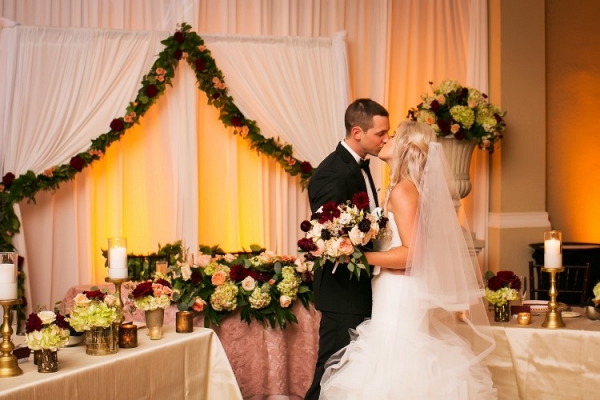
529,362
179,366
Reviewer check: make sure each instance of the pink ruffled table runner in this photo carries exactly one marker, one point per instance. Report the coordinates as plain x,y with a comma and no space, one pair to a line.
267,363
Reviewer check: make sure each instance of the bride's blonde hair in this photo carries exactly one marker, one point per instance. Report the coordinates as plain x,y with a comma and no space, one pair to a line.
410,152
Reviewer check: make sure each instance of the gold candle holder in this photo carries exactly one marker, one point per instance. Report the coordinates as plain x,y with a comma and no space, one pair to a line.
118,282
553,316
128,335
8,362
184,321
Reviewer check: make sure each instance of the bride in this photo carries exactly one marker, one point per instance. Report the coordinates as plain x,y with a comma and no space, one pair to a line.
429,332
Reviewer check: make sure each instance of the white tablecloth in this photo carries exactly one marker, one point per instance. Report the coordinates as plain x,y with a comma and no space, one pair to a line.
179,366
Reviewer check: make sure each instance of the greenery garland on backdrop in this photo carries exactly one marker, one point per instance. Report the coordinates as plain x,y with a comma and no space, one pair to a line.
183,44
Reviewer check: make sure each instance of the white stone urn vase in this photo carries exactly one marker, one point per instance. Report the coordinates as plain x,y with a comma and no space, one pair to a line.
459,153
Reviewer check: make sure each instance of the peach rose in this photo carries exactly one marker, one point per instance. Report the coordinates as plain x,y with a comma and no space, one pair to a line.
356,236
285,301
198,304
345,246
229,257
81,299
219,278
454,128
110,300
320,248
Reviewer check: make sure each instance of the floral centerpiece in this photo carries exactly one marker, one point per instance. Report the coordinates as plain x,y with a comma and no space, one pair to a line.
262,287
152,294
462,112
502,288
336,233
94,309
46,330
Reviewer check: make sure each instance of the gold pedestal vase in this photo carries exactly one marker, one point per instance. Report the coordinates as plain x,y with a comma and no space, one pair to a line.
154,322
102,341
48,361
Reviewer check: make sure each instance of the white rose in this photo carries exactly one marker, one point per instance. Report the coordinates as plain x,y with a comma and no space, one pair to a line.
47,317
356,236
248,283
331,247
110,300
204,260
267,257
229,257
300,266
186,272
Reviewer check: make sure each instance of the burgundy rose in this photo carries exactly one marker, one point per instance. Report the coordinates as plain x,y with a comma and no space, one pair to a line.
77,163
306,244
142,289
305,167
237,272
435,106
61,322
7,180
329,212
178,54
216,95
495,283
200,65
361,200
461,134
463,94
163,282
151,90
95,295
505,275
196,276
444,126
33,323
305,226
179,37
117,125
236,121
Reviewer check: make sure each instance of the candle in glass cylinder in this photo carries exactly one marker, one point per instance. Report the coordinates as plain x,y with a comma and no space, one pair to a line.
552,249
117,258
8,275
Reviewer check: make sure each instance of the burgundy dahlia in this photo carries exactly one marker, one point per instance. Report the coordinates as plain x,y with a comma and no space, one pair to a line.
142,289
361,200
33,323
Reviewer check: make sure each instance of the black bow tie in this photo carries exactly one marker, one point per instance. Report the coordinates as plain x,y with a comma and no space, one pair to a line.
364,164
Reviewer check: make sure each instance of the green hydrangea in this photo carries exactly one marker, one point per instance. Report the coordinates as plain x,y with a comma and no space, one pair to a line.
290,283
224,297
463,115
259,299
501,296
95,314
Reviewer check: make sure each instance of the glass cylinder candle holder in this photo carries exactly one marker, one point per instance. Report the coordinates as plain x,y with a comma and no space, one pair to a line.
552,249
117,258
9,263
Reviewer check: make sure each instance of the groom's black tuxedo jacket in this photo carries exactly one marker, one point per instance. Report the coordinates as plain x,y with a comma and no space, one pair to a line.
337,179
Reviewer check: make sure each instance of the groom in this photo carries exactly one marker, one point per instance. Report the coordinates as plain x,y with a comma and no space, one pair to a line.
344,301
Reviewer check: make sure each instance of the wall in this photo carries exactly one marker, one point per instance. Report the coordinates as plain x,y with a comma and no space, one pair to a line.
573,95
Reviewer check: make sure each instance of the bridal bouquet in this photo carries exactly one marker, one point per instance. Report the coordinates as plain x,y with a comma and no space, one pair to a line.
46,330
152,294
502,288
336,233
94,309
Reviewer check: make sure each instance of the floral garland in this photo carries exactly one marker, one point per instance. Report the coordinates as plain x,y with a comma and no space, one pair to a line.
183,44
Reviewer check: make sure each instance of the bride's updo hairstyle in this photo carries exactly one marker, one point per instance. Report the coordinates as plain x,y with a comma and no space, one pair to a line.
410,151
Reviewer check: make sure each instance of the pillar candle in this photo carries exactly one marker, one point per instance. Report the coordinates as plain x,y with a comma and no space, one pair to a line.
552,255
117,262
8,282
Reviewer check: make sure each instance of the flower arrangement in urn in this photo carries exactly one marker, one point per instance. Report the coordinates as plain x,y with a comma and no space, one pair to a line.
46,330
336,233
462,112
152,294
502,288
94,309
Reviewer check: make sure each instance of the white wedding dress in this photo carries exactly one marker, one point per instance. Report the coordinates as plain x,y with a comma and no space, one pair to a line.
395,354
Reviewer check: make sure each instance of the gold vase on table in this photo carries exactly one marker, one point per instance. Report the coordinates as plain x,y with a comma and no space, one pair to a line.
101,341
48,361
154,322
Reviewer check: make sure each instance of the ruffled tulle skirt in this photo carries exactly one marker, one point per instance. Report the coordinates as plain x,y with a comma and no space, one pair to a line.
394,355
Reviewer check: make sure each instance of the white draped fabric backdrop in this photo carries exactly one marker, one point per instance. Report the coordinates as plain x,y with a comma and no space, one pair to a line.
69,68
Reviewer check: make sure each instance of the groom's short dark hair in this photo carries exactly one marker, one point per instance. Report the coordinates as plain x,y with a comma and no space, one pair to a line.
361,112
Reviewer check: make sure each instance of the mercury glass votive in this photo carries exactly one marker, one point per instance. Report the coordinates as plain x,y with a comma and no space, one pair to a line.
127,336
